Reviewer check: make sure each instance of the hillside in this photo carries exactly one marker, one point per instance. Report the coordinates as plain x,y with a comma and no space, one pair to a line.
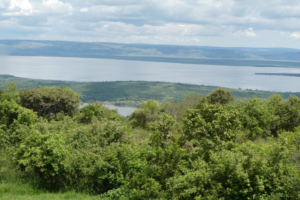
133,92
261,57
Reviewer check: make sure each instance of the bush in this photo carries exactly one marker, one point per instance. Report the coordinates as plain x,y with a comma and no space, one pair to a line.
210,127
256,117
219,96
148,113
41,158
246,172
98,111
50,100
13,117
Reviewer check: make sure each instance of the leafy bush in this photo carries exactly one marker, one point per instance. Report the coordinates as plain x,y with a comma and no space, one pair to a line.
246,172
148,112
12,117
93,150
256,117
50,100
98,111
211,126
41,156
219,96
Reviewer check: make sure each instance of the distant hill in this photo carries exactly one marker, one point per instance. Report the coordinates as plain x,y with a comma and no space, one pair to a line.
261,57
133,92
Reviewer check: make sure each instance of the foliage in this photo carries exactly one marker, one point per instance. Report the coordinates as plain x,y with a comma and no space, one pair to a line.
148,112
246,172
249,149
220,96
50,100
12,118
40,156
287,112
256,117
134,92
178,109
97,110
211,126
11,93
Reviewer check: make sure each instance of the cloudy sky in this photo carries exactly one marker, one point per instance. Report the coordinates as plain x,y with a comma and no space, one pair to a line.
252,23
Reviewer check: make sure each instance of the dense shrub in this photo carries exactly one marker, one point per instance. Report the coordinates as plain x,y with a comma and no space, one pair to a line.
98,111
249,149
13,117
210,127
219,96
41,156
50,100
148,112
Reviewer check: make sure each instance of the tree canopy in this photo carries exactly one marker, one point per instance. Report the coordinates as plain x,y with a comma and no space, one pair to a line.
220,96
50,100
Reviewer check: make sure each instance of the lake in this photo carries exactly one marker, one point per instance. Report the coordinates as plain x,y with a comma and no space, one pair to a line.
97,70
122,110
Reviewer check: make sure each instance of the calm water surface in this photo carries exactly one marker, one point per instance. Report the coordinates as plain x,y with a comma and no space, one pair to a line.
124,111
87,69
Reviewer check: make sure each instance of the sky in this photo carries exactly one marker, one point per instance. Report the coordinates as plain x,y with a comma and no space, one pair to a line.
225,23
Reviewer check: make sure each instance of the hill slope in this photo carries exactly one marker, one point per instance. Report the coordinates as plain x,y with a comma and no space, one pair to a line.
261,57
132,92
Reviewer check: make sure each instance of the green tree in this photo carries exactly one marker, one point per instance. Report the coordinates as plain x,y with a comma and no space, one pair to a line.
220,96
211,126
11,93
41,156
256,117
12,116
11,87
100,112
50,100
149,112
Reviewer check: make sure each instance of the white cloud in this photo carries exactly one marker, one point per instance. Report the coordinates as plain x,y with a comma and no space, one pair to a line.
35,8
295,35
55,7
153,21
247,33
84,10
19,8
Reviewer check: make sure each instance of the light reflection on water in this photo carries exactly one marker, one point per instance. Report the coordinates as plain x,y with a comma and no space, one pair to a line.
97,70
122,110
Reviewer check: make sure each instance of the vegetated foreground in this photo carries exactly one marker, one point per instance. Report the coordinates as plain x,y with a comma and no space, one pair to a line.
132,93
203,147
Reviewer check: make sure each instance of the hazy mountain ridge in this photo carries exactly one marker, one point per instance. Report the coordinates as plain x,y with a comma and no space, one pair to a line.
96,49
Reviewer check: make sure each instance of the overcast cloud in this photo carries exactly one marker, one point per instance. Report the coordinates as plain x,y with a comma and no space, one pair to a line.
253,23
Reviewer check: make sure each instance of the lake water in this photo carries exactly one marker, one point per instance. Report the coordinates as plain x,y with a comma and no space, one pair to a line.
124,111
87,69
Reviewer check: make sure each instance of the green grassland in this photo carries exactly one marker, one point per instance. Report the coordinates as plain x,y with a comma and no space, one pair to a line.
15,191
133,92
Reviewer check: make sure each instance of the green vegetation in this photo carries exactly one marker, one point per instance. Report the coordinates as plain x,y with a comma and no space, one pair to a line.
50,100
203,147
14,191
133,93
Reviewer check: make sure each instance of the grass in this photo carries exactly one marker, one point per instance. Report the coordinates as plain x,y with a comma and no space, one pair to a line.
17,191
